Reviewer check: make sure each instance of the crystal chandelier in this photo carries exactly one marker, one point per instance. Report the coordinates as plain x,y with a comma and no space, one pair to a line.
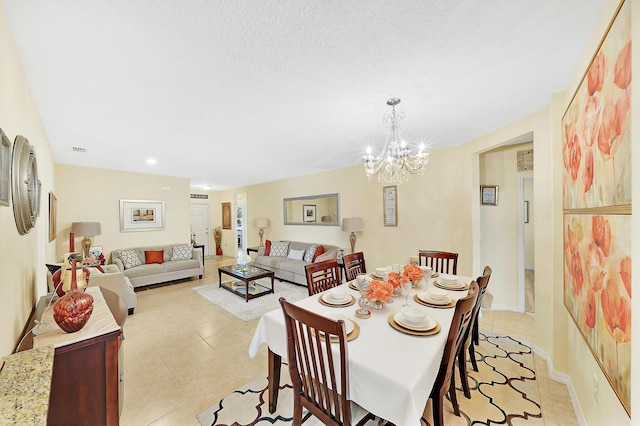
396,162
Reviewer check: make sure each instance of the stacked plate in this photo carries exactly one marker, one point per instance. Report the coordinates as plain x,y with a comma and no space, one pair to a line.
426,324
350,325
450,282
424,296
380,272
330,300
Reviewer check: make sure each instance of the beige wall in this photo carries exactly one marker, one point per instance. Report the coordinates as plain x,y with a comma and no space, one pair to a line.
102,204
22,258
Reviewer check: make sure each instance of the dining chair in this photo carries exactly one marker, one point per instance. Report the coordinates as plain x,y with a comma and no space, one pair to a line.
469,346
440,261
354,265
322,276
319,377
455,340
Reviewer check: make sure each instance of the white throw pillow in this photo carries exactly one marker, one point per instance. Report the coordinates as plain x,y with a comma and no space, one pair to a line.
308,256
182,252
129,258
279,248
295,254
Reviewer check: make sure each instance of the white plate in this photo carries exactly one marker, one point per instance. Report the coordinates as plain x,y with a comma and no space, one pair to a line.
350,325
459,284
377,274
330,300
425,325
425,298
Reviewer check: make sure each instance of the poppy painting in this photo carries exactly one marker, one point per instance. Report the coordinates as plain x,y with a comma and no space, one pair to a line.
597,291
596,128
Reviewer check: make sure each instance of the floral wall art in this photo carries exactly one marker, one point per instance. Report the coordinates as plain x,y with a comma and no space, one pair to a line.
596,154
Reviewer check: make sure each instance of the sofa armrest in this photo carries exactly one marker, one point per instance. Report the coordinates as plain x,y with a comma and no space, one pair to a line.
331,254
261,250
119,264
196,253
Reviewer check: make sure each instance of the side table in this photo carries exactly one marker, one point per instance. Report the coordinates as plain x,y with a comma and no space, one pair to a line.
252,249
201,247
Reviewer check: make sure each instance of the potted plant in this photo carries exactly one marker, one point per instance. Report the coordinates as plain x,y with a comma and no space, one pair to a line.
217,236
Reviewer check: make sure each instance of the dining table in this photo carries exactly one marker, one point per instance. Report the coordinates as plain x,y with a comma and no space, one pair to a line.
391,371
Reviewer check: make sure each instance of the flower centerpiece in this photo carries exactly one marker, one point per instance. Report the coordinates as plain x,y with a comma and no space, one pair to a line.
378,293
413,273
396,280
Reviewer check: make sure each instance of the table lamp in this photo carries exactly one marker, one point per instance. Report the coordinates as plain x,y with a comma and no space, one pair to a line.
261,223
352,224
88,229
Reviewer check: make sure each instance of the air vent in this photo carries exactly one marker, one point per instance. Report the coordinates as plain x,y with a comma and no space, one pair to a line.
79,149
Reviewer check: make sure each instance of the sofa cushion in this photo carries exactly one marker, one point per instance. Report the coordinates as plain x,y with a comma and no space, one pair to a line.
144,270
267,247
318,252
269,261
182,252
154,256
129,258
279,248
293,266
295,254
310,253
178,265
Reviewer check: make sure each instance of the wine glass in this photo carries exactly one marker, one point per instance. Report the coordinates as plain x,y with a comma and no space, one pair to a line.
406,285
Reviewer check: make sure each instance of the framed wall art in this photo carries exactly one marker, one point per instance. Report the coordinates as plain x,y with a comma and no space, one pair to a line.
596,190
53,219
308,212
226,215
390,205
141,215
5,169
489,195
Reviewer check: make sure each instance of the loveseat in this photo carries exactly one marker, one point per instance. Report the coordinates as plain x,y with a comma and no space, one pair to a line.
287,264
158,264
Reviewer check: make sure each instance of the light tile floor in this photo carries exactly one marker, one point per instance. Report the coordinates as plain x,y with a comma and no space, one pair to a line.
183,353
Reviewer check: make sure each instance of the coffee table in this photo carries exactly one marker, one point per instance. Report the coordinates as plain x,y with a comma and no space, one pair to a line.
246,287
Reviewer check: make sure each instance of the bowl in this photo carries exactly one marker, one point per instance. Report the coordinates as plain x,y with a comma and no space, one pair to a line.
437,294
449,279
426,271
413,314
385,269
337,293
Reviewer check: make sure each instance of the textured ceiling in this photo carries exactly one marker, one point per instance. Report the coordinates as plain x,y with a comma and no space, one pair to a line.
229,93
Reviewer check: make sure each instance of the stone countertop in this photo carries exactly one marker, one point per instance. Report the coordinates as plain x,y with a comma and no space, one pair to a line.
25,384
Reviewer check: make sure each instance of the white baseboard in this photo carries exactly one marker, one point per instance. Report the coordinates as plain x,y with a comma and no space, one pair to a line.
562,378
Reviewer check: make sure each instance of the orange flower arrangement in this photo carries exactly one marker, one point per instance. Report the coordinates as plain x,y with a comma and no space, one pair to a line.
396,280
413,273
379,290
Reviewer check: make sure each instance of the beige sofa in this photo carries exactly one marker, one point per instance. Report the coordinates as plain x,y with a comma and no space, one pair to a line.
154,273
290,269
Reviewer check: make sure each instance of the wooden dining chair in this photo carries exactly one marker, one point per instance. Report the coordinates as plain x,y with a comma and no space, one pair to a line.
354,265
322,276
440,261
319,378
455,340
469,346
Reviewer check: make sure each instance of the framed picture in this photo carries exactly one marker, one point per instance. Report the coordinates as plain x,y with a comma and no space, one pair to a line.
489,195
53,220
226,215
141,215
308,212
390,205
5,169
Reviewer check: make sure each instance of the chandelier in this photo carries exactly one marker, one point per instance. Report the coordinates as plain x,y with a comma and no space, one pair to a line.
396,162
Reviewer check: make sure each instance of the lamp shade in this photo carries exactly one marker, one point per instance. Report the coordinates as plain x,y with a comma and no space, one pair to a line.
352,224
261,222
90,229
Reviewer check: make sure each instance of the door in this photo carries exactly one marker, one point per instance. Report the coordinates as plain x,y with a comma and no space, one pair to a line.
200,225
241,220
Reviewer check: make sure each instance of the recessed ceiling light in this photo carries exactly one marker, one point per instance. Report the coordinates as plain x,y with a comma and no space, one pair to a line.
151,161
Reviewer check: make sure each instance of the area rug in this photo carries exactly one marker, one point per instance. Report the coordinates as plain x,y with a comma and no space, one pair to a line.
254,308
503,391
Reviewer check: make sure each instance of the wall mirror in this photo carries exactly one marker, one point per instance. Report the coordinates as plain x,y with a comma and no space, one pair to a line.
318,210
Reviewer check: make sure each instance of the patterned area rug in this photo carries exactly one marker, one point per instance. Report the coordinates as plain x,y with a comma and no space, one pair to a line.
503,391
254,308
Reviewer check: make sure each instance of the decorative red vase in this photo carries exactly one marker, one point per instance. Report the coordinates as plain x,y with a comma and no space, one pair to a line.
72,311
218,251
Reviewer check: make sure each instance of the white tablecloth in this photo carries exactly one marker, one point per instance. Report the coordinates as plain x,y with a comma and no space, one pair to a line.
390,373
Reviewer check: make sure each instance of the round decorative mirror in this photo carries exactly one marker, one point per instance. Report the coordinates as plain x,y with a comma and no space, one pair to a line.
25,185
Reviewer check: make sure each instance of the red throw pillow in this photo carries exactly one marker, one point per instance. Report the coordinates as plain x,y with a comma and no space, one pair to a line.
319,251
267,248
154,256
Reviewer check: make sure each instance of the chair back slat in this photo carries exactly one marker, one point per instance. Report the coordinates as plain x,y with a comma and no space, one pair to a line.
322,276
354,265
439,261
317,353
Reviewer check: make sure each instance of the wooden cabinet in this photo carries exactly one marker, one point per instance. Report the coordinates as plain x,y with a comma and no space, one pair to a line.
87,382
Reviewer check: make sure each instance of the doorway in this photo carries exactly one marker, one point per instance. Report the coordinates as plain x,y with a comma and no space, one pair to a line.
528,269
241,221
200,225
